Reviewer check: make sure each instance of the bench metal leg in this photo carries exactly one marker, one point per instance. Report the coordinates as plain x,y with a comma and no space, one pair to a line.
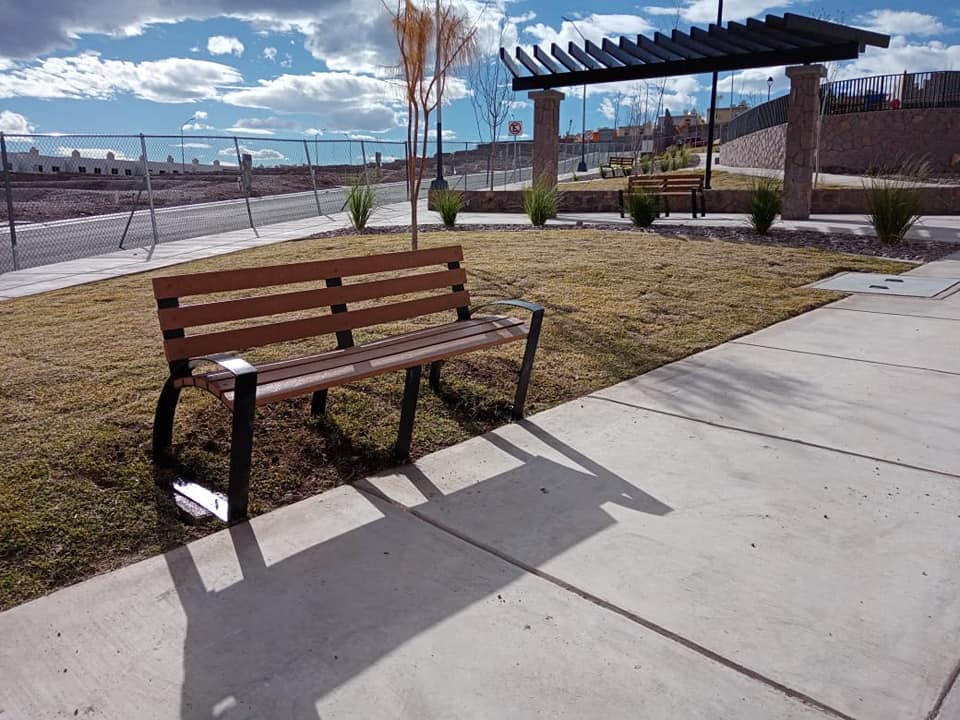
666,206
241,445
693,203
163,419
526,368
318,402
435,374
411,391
703,204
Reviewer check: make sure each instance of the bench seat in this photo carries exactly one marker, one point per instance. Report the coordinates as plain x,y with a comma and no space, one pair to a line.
286,379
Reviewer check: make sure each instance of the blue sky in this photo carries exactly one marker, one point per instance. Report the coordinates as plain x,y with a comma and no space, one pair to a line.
296,68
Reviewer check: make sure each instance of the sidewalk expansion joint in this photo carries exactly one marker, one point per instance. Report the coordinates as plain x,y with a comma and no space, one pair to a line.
613,608
771,436
892,314
844,357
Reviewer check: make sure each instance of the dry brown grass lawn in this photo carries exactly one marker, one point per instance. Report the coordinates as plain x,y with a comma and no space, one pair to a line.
82,368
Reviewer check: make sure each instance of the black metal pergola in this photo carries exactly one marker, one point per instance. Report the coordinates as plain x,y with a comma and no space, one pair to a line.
787,40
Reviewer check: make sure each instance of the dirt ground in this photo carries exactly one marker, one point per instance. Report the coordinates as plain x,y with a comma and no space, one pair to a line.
40,198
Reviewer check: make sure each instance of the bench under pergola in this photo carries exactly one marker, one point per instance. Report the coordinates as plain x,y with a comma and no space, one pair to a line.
797,41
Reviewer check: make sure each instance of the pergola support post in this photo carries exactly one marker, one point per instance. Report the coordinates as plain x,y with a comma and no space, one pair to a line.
803,108
546,136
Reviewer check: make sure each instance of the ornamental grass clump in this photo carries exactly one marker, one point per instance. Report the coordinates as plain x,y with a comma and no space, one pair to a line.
540,203
360,203
448,203
893,202
642,208
766,201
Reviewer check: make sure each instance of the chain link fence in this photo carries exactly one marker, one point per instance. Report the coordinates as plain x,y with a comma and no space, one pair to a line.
75,196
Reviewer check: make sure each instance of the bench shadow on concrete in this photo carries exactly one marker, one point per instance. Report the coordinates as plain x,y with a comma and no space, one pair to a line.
287,635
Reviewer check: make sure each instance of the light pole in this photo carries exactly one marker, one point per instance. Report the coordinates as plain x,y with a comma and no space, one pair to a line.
713,109
183,163
582,167
769,87
438,182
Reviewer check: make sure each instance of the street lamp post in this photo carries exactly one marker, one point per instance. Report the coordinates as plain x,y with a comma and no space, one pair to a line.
582,167
183,163
769,87
713,110
438,182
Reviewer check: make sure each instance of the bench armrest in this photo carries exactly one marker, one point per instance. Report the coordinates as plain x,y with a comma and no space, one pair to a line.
236,366
537,310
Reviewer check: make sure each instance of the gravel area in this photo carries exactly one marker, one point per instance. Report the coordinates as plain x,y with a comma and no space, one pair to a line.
918,251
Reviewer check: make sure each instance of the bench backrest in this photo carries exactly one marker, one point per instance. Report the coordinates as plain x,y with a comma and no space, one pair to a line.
685,181
620,160
182,325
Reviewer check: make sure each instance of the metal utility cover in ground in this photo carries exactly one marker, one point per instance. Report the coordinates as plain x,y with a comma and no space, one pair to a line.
875,283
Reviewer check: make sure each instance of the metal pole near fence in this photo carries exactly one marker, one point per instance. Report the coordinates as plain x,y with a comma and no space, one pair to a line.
146,175
363,152
9,193
243,182
406,166
313,178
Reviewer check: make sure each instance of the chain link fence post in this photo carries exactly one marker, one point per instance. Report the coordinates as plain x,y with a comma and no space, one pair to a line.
246,185
363,153
313,178
146,175
8,191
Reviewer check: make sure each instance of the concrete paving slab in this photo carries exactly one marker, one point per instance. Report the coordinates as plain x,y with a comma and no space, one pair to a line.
946,309
919,342
892,413
345,607
831,574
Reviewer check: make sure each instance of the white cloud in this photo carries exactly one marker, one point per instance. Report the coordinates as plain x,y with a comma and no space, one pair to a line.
171,80
256,154
195,145
287,60
901,22
344,101
14,123
705,11
264,126
270,53
594,27
223,45
902,56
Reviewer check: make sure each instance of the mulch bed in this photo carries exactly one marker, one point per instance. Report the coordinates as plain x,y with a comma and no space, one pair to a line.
918,251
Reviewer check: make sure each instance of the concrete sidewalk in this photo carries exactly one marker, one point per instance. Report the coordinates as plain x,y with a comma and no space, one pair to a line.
769,529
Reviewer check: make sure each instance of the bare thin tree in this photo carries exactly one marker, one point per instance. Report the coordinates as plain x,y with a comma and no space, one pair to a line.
492,99
444,39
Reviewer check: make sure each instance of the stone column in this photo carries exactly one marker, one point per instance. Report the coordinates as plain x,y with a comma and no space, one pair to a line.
546,135
798,162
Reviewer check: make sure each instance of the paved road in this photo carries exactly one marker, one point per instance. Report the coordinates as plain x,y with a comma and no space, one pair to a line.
56,241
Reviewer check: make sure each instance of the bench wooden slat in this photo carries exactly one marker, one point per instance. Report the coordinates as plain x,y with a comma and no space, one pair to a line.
342,374
323,362
247,278
227,340
243,308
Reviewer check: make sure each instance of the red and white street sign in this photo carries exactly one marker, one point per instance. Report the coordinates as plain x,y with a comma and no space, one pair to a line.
515,127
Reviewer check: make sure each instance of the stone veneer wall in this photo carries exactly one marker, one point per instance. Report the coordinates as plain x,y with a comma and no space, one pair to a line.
857,142
934,201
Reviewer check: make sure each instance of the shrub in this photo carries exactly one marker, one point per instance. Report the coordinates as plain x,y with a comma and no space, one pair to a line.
603,171
765,203
665,164
684,156
893,203
642,208
627,170
448,204
540,203
645,167
360,203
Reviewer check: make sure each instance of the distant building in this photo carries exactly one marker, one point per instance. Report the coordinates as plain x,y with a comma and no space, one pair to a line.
75,163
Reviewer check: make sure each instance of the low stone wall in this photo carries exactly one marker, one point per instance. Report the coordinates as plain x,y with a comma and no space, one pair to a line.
858,142
934,201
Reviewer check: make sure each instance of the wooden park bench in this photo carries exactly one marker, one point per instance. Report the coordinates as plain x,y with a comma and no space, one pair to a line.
255,319
667,186
620,161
